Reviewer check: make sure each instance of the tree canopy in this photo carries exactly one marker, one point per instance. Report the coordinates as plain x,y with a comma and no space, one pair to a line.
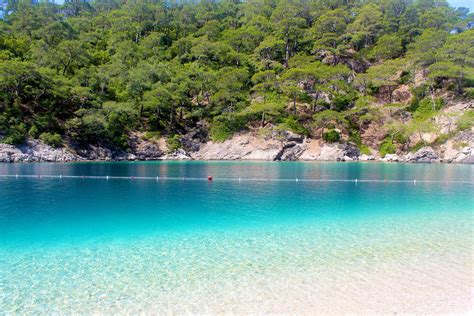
94,72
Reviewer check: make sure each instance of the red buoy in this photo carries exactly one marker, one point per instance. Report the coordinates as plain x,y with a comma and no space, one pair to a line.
209,178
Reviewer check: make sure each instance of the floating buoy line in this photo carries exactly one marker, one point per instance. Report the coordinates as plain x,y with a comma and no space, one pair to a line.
223,179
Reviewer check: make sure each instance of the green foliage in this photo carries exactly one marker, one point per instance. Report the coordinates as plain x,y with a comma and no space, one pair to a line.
423,51
469,93
291,124
331,136
96,72
15,135
224,126
364,149
417,146
443,138
427,107
388,47
387,147
455,60
174,143
151,135
33,132
466,121
51,139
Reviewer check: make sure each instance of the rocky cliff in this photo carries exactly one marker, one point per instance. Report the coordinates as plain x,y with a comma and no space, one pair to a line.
246,146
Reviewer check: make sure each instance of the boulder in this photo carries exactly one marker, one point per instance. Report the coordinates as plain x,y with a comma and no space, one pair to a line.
287,153
402,94
331,152
365,157
179,154
424,154
468,159
391,158
292,137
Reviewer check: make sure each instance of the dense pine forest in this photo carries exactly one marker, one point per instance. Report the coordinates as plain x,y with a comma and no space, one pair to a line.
96,73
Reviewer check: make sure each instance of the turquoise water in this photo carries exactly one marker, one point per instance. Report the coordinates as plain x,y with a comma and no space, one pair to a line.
92,245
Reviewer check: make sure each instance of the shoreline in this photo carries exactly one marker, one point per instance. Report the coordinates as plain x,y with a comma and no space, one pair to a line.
237,161
242,147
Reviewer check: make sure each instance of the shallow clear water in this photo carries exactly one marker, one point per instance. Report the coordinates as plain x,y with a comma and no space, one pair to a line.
92,245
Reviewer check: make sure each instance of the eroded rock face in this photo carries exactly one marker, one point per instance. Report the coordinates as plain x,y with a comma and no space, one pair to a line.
245,147
445,123
279,146
402,94
35,151
459,149
329,152
179,154
424,154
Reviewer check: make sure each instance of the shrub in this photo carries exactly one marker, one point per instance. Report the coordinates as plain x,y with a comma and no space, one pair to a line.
33,132
151,135
220,132
224,126
387,147
293,125
426,108
441,139
15,135
469,93
331,136
417,147
53,140
174,143
459,145
342,102
364,149
466,121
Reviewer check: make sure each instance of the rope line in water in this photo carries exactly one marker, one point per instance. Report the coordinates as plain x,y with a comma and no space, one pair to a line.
211,179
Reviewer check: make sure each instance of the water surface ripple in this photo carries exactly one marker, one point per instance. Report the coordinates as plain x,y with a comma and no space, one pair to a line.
77,245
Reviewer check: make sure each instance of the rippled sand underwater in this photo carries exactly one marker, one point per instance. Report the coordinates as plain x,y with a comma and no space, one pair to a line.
83,247
422,266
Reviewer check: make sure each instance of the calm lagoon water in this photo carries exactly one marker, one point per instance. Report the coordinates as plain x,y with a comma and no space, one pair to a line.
98,246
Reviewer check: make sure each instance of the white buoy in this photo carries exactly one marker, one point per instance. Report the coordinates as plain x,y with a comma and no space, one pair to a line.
60,176
240,180
107,177
297,180
16,176
414,182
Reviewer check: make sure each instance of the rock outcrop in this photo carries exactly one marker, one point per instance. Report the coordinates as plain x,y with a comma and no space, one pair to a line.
392,158
459,149
179,154
244,147
365,157
35,151
424,154
277,146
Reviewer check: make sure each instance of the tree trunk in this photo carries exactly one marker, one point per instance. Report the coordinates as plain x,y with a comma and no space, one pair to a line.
294,103
421,138
433,103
